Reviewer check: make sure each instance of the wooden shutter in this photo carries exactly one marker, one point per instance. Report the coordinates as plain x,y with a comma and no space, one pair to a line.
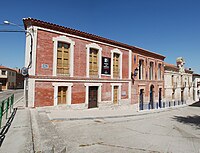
93,62
63,58
116,65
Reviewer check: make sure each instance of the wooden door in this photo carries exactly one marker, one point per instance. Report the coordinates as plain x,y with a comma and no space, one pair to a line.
182,96
151,97
115,95
62,95
93,97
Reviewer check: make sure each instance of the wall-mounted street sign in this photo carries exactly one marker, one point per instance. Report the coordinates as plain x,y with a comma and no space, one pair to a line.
105,69
45,66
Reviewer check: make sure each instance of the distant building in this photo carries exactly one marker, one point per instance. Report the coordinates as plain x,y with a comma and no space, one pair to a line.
178,83
196,86
10,78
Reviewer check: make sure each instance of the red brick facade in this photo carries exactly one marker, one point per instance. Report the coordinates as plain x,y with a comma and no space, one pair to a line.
46,83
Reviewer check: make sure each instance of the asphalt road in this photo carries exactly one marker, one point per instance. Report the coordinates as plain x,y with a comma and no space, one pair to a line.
173,131
18,93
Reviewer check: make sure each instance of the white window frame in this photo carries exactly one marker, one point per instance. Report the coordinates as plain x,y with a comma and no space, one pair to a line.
69,92
87,85
117,51
151,70
71,54
97,47
119,89
142,70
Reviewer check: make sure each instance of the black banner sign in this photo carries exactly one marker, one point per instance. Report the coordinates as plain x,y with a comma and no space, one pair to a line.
105,65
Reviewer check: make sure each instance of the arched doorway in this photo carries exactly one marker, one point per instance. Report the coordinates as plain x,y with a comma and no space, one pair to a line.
141,99
182,95
160,97
151,96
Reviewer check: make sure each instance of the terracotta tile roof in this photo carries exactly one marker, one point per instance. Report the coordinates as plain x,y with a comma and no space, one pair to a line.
196,74
175,68
7,68
171,67
39,23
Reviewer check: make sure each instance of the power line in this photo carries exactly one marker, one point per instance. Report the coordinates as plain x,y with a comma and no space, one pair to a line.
9,25
12,31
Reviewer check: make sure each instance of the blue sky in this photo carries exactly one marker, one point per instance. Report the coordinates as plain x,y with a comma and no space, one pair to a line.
167,27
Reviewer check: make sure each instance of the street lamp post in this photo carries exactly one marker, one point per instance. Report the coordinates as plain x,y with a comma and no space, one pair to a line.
25,69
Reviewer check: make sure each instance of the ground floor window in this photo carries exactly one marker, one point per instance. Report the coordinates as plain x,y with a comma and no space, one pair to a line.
115,94
62,95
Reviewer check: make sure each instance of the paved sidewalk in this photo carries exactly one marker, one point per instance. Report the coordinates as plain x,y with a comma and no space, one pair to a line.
18,139
96,113
32,130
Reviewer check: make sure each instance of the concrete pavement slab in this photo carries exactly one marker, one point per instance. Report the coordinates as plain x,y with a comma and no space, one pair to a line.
96,113
18,139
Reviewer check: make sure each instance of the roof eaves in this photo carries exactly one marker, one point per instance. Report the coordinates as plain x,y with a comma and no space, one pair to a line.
35,22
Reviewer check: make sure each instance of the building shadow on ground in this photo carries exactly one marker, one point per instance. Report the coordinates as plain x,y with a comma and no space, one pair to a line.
5,128
190,120
196,104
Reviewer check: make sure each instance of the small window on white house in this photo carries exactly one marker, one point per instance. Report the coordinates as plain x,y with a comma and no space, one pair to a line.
3,72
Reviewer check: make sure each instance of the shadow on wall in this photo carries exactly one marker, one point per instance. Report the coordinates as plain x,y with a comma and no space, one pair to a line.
191,120
196,104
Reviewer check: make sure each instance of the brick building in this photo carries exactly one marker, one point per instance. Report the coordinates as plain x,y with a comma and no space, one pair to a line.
82,70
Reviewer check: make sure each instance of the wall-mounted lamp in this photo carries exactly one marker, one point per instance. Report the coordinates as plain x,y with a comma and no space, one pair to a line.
133,75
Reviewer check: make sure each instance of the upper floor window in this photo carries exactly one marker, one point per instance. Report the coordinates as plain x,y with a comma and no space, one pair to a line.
63,56
3,72
93,60
93,67
116,64
141,69
151,71
159,72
